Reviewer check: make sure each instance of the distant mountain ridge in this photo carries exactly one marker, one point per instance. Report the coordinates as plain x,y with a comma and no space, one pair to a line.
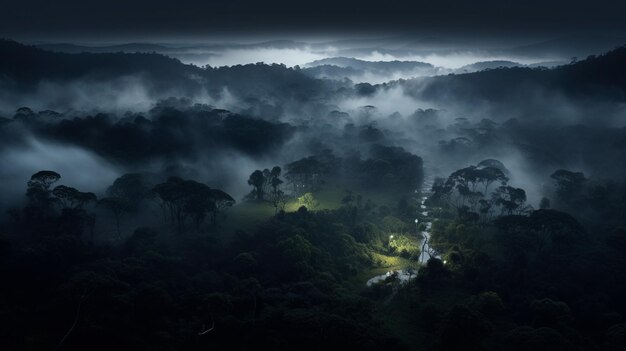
130,48
362,64
23,68
483,65
163,48
602,76
348,67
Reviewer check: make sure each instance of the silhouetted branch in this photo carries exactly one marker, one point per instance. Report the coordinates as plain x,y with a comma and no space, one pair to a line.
204,330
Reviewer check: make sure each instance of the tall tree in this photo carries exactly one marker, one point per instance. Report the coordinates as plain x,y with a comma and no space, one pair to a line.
38,188
118,206
188,198
511,200
569,185
72,198
133,187
257,180
220,200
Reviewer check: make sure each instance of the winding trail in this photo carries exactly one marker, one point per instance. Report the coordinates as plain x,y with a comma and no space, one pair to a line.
427,251
405,275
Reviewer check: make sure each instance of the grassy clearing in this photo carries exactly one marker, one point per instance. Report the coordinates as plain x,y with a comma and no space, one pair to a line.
246,215
249,214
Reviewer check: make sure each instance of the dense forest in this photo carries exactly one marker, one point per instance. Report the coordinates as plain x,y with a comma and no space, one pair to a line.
262,206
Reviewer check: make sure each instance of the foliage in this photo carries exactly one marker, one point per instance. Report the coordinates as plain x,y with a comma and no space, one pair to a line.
309,201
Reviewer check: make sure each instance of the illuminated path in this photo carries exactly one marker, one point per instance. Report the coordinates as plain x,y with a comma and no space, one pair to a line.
427,251
405,275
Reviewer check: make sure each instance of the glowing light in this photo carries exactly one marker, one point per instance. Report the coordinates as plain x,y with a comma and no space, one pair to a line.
390,237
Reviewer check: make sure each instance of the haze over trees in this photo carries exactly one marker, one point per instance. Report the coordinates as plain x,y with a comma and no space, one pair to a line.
157,205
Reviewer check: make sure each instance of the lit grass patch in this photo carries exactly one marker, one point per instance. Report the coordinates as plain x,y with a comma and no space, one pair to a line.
320,200
404,245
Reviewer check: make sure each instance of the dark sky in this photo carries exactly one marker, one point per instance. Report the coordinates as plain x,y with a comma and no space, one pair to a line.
46,19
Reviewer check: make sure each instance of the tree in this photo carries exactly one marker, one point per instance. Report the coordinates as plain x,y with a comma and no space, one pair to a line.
278,200
24,114
74,218
510,199
257,180
38,188
551,314
304,174
485,209
395,166
441,190
463,329
493,163
40,199
133,187
274,178
197,200
309,201
469,185
526,338
277,196
72,198
188,198
43,179
569,185
489,175
394,225
220,200
117,206
172,196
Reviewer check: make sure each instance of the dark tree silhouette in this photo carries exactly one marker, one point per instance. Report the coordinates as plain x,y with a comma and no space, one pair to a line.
510,199
220,201
304,174
72,198
118,206
188,198
133,188
257,180
38,190
569,185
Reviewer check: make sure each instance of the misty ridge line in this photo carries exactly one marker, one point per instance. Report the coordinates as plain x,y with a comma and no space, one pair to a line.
425,116
142,79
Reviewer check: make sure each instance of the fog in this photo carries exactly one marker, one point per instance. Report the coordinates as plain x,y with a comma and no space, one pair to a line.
324,113
386,103
381,175
119,94
78,167
446,58
289,57
454,59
